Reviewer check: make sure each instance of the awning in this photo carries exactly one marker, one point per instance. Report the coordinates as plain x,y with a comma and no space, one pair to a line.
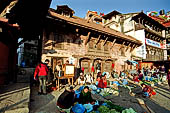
130,62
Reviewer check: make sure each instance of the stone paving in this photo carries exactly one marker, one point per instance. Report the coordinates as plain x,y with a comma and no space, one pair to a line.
15,98
157,104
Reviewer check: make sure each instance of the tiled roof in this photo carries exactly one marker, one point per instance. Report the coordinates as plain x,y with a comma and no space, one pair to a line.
167,24
93,26
111,14
153,21
162,21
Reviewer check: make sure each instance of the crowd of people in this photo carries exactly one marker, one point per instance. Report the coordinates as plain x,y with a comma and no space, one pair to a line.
101,81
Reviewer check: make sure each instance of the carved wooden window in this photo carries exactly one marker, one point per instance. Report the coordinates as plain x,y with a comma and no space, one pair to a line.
58,38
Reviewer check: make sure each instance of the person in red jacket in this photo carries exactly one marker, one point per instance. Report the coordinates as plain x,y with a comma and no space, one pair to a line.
42,71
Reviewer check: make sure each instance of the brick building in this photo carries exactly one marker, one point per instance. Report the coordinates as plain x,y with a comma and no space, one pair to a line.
69,37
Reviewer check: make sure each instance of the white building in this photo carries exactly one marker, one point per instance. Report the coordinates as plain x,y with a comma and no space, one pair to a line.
140,26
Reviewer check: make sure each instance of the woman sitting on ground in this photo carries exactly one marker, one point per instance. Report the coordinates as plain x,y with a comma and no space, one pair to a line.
85,96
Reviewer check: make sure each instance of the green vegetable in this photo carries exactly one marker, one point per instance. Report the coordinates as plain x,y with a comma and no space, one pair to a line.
103,109
130,110
113,111
116,107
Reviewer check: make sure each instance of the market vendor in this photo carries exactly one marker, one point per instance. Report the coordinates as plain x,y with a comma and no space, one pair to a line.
85,96
103,81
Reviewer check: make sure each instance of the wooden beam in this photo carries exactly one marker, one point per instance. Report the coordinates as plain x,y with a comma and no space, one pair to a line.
105,41
88,38
113,43
98,40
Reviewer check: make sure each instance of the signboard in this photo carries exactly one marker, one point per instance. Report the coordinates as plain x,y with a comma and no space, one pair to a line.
140,51
156,44
69,70
153,43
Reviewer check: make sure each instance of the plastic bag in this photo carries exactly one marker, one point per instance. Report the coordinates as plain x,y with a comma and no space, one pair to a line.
78,108
88,107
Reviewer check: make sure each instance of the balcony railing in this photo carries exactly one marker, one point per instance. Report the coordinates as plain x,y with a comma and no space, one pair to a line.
140,26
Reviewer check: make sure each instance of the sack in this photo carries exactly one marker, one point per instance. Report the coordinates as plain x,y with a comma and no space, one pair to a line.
66,99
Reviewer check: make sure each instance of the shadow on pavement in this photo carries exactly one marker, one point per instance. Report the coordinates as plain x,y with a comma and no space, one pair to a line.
13,88
155,107
42,103
2,110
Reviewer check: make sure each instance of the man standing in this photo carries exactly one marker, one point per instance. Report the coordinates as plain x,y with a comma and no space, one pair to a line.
42,71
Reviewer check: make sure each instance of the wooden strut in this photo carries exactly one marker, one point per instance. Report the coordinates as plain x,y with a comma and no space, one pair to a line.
128,46
113,43
122,46
132,47
88,38
105,41
98,40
